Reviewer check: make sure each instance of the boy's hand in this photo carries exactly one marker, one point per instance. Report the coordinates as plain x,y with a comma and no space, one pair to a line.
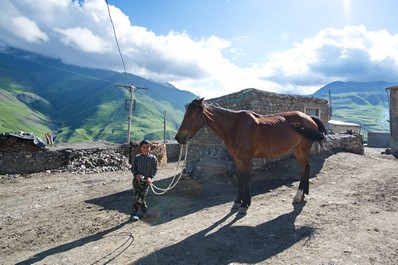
149,181
139,177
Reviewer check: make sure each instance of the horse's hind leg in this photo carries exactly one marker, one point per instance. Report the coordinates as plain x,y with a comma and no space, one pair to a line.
303,186
302,152
246,198
238,200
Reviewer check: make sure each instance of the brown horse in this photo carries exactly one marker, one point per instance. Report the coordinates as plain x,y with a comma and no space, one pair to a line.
248,135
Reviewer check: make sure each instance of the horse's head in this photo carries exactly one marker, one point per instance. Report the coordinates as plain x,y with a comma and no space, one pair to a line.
192,122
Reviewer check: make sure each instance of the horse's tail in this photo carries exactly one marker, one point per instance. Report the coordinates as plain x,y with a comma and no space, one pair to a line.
321,127
316,136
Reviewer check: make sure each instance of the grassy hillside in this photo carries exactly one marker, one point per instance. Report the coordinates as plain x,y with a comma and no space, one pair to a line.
15,116
362,103
40,95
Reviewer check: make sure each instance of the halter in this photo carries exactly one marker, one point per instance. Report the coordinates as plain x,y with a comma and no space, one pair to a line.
204,119
190,125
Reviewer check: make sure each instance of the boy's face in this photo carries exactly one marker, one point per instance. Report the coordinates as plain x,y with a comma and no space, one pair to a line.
145,148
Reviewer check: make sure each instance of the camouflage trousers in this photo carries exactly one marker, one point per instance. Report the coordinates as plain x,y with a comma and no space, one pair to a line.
140,192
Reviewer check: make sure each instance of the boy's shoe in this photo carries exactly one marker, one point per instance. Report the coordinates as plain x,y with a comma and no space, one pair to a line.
134,217
145,213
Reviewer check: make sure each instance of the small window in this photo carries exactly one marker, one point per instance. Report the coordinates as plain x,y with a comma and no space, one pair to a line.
312,112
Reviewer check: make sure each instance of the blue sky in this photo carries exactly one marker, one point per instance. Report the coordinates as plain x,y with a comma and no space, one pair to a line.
216,47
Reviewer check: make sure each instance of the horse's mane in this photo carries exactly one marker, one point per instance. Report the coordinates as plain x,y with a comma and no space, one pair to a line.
210,105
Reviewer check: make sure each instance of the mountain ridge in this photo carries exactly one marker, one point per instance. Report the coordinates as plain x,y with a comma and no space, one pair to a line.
82,104
364,103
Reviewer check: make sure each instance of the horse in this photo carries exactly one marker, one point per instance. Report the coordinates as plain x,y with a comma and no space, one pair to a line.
249,135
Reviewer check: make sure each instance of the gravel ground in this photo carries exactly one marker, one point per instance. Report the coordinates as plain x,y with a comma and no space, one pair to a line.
350,217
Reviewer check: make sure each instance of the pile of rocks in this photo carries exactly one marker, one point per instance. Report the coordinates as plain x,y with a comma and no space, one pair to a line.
345,142
89,161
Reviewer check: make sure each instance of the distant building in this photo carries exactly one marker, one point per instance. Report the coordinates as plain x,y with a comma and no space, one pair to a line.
379,139
20,142
341,126
393,92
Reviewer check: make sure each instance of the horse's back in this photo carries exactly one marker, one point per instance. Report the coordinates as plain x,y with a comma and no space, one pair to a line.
282,118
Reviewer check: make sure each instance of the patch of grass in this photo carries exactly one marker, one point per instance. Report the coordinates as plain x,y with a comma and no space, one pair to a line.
16,117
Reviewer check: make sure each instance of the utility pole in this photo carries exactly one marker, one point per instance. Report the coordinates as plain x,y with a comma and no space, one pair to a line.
131,88
330,103
164,127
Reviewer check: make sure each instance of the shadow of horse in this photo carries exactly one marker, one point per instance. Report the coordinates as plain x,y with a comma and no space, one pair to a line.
234,244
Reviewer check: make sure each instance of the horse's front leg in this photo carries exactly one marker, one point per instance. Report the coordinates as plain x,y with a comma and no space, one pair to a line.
243,200
246,198
243,166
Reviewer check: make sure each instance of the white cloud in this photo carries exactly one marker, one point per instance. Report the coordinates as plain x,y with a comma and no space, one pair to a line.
82,39
26,29
352,53
83,35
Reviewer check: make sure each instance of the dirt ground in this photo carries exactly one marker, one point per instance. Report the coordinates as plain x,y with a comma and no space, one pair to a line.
350,217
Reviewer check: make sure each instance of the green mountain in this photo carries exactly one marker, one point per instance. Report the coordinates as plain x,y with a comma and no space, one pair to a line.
365,103
40,95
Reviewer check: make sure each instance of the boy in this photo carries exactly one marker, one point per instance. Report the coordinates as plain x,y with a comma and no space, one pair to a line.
144,168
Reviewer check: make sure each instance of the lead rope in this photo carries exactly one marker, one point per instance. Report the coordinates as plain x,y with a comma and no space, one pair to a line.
162,191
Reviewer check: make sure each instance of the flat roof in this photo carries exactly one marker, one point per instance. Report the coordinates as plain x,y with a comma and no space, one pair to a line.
343,123
392,88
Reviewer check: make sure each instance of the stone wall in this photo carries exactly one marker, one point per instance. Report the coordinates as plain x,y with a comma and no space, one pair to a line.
173,151
30,162
393,91
345,142
81,159
20,142
379,139
263,102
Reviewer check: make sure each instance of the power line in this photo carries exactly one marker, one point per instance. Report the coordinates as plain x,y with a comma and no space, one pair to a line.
72,72
361,77
117,42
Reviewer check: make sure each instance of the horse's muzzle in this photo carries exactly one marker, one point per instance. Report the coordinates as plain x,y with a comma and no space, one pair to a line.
181,140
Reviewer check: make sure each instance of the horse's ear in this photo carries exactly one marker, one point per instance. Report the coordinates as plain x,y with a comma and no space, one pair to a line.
200,101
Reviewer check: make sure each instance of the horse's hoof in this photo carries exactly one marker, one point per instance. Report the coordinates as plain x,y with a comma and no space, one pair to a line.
235,206
242,210
296,200
299,197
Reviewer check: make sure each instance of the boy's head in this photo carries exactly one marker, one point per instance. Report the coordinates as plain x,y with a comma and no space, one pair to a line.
145,147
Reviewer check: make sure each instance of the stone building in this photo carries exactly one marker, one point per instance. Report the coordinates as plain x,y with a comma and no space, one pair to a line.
379,139
341,126
393,91
20,142
207,153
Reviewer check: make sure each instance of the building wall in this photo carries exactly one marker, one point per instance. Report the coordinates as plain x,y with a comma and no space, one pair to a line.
394,119
10,143
379,139
337,128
